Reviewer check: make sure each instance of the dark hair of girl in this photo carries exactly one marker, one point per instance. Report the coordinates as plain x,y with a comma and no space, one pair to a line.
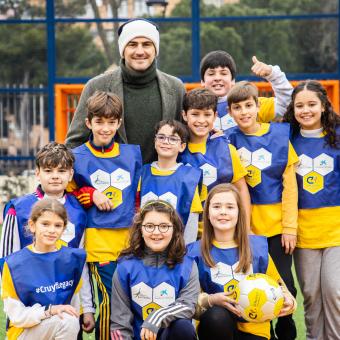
176,248
329,119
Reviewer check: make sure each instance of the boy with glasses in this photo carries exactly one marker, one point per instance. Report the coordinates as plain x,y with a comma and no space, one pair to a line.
170,181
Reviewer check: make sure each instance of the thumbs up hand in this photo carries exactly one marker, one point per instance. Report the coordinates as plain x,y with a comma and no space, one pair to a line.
260,69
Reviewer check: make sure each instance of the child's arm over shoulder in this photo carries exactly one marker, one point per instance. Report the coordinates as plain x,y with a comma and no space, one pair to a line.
182,308
84,194
10,240
121,316
87,196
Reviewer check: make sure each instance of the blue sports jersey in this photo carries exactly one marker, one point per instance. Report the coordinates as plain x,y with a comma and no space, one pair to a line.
318,172
216,163
265,158
116,177
223,120
223,276
178,189
76,219
151,288
49,278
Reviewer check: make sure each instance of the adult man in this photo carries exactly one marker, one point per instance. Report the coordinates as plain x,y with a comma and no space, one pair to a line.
148,95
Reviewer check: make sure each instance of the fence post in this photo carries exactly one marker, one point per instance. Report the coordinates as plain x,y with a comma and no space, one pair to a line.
51,60
195,38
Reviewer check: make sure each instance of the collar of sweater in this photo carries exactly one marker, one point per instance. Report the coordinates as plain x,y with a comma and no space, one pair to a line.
104,148
136,78
154,259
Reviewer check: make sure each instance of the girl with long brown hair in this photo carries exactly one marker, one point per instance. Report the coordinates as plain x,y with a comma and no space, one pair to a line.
225,255
155,287
316,139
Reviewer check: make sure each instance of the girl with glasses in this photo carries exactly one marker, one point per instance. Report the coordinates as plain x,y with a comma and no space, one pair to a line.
155,286
173,182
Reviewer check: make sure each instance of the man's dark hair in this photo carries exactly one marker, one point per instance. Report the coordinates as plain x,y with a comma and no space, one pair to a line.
200,99
216,59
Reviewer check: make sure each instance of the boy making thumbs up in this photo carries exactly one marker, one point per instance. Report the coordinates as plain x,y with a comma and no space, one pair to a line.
218,72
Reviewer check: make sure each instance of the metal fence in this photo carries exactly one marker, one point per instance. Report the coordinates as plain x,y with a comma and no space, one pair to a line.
27,114
23,128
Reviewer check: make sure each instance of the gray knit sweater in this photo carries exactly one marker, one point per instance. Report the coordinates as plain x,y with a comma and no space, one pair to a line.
171,91
122,316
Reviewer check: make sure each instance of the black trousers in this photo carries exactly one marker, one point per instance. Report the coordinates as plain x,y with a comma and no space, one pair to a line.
180,329
285,327
219,324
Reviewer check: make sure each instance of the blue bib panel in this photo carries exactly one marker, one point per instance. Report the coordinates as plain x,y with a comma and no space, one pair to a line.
150,288
223,276
116,177
49,278
216,164
318,173
223,120
76,219
265,158
178,188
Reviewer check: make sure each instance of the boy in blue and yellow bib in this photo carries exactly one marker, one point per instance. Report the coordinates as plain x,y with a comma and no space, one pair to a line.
218,159
218,72
54,171
171,181
113,170
269,158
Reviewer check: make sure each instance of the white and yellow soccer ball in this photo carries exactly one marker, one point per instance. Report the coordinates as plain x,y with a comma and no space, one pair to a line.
260,298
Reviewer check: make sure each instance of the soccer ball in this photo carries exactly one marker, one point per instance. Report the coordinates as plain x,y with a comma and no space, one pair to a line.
260,298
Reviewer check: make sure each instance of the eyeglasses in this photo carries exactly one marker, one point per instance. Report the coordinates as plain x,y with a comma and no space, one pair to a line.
162,227
172,140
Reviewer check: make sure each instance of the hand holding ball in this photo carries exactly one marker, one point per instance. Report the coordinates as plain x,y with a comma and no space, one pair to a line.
259,297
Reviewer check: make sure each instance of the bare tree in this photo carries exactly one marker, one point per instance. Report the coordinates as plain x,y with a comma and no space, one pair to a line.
111,53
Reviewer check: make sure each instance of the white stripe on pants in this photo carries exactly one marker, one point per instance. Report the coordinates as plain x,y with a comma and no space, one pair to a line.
318,273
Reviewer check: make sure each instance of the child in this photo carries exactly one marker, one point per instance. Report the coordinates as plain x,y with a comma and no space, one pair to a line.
41,298
269,159
155,286
218,72
171,181
114,170
215,156
225,255
316,139
54,171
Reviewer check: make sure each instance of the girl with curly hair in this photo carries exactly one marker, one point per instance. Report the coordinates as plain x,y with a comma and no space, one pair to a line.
316,139
155,287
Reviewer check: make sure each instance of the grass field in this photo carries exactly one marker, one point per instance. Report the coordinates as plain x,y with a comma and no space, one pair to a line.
298,316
